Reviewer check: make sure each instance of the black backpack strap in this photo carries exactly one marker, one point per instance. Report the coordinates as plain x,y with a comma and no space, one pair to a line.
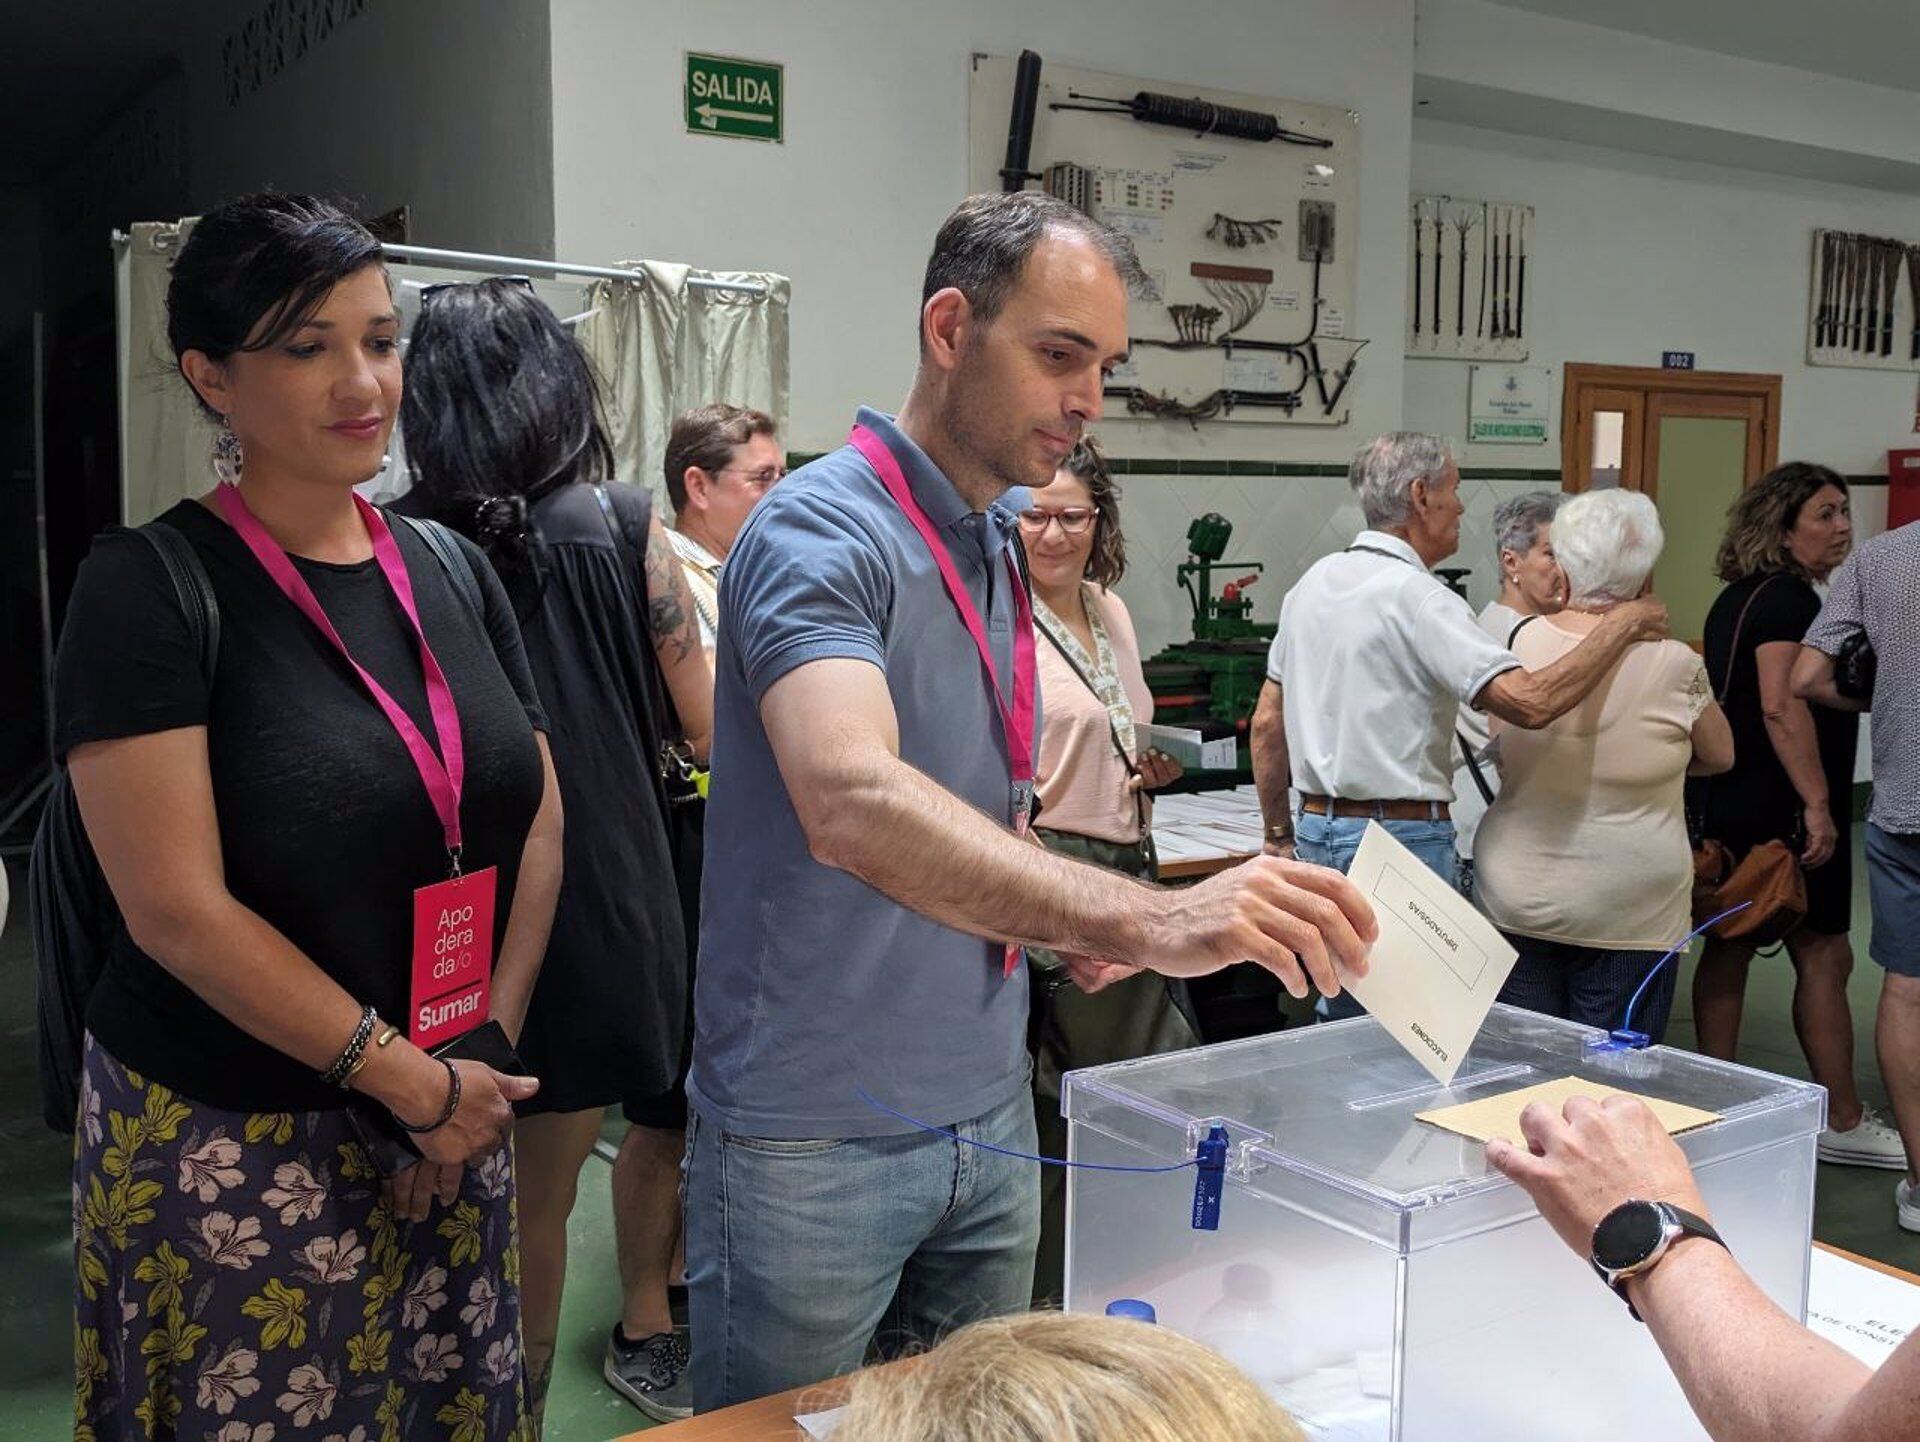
191,585
1473,766
453,560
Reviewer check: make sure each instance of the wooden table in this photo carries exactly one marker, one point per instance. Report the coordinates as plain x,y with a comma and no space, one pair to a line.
1201,866
770,1419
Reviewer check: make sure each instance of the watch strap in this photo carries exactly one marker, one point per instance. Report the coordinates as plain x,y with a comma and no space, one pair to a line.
1675,1219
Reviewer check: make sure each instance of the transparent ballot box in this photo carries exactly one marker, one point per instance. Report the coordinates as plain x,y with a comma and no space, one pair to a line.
1370,1270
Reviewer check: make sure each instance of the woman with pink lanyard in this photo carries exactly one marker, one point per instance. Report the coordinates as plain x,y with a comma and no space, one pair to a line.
334,855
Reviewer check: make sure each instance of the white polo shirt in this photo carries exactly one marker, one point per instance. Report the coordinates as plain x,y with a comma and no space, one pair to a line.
1376,657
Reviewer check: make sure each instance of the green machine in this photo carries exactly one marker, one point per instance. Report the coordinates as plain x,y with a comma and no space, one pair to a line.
1210,684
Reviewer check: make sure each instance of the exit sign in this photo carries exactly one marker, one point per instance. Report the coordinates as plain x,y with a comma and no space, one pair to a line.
1676,360
734,97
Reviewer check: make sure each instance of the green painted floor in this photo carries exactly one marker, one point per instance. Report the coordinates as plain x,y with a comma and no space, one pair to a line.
1854,1207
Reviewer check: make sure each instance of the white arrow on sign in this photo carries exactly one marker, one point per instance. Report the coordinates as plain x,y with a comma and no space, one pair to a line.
711,116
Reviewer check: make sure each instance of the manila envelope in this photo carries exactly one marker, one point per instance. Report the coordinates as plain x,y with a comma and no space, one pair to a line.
1499,1116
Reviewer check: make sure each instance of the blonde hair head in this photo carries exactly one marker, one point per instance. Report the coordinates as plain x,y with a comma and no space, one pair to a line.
1062,1377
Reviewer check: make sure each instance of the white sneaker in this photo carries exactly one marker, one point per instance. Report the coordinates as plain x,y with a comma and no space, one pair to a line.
1872,1142
1908,1203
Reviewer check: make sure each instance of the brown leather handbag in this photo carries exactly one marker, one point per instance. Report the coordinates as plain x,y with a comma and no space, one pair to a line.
1767,879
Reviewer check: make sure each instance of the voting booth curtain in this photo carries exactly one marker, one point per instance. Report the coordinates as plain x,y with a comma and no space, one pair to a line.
662,346
659,343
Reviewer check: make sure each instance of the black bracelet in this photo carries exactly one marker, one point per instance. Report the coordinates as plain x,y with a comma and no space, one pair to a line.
446,1114
345,1064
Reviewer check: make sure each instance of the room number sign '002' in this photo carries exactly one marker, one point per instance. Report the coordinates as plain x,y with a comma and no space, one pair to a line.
726,95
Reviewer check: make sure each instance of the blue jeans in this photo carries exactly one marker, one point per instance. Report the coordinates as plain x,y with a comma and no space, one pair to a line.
801,1253
1332,841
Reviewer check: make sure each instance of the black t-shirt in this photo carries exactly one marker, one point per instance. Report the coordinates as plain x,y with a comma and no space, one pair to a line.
1756,799
326,829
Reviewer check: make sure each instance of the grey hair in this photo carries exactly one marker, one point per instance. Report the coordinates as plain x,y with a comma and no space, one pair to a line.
1382,475
1607,543
1517,522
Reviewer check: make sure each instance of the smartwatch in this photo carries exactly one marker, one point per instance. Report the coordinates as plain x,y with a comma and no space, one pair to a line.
1635,1235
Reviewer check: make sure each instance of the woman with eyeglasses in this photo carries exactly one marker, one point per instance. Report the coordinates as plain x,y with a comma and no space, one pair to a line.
506,445
1092,784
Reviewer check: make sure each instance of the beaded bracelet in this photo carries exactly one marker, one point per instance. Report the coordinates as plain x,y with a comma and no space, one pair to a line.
446,1114
348,1061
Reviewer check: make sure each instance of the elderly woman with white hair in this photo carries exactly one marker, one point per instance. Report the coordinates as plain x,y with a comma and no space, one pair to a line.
1583,860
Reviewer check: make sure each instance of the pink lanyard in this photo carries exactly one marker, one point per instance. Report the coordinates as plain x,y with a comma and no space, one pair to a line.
1016,722
443,782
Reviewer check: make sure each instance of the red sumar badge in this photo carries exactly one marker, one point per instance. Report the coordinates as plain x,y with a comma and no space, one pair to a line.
452,957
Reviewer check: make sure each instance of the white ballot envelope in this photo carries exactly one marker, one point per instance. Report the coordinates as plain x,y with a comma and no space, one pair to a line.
1438,964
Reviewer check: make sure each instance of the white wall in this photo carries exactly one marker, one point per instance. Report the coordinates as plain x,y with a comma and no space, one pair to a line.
441,105
875,156
1635,255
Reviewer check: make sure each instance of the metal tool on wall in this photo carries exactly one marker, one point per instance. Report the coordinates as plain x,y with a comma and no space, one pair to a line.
1520,296
1913,291
1480,310
1858,305
1470,264
1463,223
1439,244
1419,267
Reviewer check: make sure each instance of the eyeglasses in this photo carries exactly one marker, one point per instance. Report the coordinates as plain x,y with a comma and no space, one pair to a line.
1073,520
433,288
759,479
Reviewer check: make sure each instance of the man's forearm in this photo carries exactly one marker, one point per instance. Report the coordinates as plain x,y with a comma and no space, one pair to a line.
1533,699
1749,1371
911,839
1272,766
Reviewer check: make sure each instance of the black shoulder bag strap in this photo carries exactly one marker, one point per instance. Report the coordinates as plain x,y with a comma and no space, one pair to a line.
452,560
191,585
675,764
1466,750
1696,824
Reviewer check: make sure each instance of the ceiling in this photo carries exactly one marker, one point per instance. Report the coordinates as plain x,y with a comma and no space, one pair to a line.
1541,116
68,68
1877,41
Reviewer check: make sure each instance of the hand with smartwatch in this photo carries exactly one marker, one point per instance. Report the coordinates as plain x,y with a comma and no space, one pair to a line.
1581,1163
1619,1192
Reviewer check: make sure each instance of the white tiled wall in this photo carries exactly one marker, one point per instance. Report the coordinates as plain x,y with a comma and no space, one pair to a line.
1284,522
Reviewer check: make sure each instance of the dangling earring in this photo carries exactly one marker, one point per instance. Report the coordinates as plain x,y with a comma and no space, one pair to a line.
227,459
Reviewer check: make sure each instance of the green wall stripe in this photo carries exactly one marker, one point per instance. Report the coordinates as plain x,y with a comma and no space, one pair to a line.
1146,466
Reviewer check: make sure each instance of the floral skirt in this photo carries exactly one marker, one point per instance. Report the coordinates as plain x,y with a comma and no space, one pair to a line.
238,1279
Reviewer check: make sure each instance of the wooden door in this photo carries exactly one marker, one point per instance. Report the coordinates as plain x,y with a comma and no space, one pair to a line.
1691,440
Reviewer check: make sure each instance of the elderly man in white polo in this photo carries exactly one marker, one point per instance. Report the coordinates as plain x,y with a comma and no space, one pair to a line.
1373,660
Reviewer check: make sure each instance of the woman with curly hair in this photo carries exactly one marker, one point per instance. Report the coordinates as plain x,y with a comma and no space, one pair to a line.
1792,780
1093,782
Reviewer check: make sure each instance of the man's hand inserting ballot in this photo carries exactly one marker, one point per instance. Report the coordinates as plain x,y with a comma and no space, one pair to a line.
1297,920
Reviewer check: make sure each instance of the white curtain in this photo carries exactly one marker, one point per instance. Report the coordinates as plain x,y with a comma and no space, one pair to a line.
659,344
166,444
663,345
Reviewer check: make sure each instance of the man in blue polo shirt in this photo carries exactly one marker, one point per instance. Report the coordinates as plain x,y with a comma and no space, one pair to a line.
873,754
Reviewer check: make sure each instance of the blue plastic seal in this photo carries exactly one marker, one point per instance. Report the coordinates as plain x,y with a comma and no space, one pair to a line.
1210,1180
1132,1307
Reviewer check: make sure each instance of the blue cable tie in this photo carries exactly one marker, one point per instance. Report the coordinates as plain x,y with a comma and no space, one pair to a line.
1624,1037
